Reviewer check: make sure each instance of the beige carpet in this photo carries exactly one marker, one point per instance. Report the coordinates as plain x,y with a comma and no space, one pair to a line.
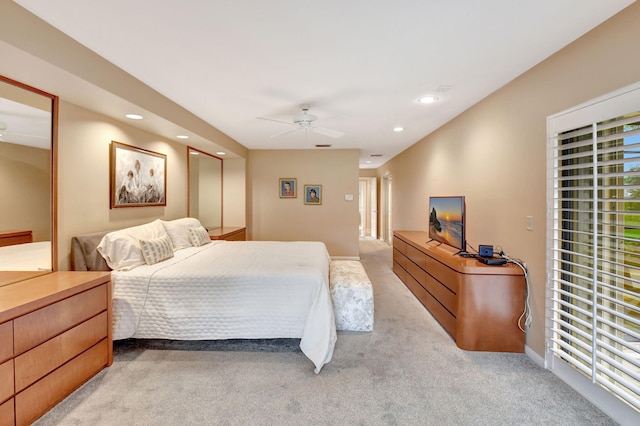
408,371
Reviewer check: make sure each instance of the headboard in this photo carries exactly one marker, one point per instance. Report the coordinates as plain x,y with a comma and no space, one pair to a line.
84,256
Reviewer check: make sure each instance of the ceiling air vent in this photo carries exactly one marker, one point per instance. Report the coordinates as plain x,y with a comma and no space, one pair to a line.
328,145
375,155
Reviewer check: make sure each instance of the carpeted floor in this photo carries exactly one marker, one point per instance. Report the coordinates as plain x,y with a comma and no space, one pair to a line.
408,371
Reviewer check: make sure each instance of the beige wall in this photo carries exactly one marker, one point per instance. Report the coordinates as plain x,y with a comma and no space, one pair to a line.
234,192
25,186
83,176
335,222
495,153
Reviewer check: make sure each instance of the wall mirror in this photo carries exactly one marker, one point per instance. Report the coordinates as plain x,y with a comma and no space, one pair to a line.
27,181
205,188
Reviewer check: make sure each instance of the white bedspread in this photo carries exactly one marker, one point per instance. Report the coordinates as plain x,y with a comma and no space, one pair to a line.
231,290
26,257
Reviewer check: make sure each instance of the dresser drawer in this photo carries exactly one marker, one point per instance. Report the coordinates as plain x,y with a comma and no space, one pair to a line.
442,272
6,380
41,360
399,271
6,340
416,272
32,329
399,257
399,245
38,398
442,294
238,236
416,256
6,413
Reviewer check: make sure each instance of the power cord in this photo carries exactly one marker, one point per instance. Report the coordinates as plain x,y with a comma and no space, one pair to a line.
526,313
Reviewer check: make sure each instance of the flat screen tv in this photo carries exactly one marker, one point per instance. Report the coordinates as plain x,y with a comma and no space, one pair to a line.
446,221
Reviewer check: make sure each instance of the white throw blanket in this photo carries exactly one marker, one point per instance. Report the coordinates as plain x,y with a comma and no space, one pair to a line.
231,290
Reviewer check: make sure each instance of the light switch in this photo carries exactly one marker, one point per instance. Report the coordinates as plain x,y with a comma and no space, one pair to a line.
348,197
529,223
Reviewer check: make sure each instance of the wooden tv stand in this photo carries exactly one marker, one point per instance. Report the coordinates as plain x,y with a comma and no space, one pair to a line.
478,305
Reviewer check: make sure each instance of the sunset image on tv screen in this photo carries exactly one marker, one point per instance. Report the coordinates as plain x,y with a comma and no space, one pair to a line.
446,220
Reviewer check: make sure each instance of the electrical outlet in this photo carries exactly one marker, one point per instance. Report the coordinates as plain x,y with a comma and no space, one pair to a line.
529,223
348,197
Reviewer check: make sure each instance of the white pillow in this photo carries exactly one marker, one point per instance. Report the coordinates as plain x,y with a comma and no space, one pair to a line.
178,230
199,236
157,249
121,249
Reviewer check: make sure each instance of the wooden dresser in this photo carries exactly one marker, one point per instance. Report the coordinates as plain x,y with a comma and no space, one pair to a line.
55,334
478,305
228,234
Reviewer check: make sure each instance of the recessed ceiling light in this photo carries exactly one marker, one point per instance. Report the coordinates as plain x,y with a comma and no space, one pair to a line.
134,116
398,129
427,99
220,153
368,162
182,137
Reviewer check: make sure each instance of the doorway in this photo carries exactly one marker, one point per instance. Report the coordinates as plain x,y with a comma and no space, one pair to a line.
386,229
368,202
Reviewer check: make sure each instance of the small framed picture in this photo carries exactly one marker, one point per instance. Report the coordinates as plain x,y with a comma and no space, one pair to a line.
288,188
313,194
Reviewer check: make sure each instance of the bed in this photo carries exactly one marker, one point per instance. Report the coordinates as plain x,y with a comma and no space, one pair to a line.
216,289
18,252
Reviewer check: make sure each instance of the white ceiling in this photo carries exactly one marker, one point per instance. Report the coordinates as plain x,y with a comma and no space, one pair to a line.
360,64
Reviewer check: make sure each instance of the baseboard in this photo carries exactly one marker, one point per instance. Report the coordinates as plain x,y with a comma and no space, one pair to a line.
619,411
535,357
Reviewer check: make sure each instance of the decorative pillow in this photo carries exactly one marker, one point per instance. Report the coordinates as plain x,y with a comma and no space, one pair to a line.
121,249
199,236
178,230
157,249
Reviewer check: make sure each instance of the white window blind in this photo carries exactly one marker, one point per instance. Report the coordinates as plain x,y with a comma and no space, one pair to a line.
593,306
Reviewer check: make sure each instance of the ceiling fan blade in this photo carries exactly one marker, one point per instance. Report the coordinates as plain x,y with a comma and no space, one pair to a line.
285,132
277,121
327,132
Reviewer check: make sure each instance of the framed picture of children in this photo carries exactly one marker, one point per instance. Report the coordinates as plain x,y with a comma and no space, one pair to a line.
138,177
288,188
313,194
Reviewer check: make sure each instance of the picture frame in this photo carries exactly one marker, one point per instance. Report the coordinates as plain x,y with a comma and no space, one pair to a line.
288,187
138,177
313,194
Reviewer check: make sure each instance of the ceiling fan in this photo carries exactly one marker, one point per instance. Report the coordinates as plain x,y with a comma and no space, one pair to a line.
304,122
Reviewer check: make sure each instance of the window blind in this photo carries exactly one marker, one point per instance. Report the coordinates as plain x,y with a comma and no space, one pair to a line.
593,306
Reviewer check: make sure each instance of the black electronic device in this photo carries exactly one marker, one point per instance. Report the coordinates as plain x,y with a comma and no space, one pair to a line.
485,251
493,261
465,254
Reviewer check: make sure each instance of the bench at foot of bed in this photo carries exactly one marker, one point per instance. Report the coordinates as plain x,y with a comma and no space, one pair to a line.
352,296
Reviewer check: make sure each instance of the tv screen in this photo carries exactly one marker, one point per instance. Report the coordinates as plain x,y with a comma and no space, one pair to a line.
446,221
